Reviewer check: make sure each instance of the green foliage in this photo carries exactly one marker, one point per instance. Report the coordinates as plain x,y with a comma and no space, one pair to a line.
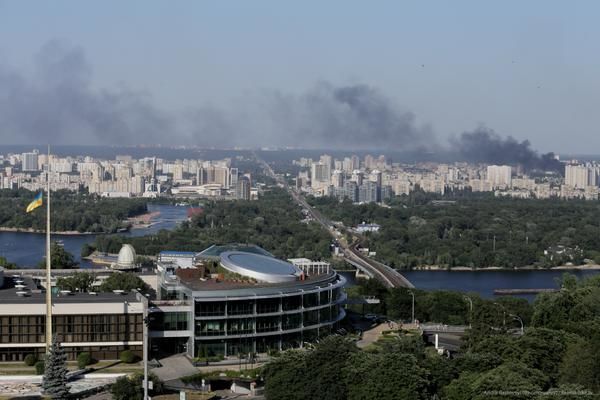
558,351
315,374
131,388
414,232
126,389
581,364
59,258
70,212
5,264
272,223
379,376
80,281
30,360
128,357
84,359
54,382
510,377
40,367
123,281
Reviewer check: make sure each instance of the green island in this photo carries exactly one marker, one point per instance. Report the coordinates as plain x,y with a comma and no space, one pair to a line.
555,358
70,213
474,230
273,223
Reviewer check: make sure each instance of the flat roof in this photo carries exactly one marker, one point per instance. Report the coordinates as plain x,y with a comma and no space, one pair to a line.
178,253
260,267
216,250
34,295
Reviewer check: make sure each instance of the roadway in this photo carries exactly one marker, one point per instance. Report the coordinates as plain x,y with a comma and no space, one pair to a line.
388,276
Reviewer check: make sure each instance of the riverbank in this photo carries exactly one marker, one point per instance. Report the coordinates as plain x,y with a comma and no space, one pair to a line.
585,267
31,230
143,220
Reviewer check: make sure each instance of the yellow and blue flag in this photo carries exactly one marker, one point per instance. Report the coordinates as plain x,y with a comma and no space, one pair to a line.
37,202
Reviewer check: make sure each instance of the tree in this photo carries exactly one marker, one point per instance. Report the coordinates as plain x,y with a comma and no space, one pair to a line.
123,281
126,389
54,382
509,377
131,388
77,282
386,376
581,364
285,376
59,258
83,360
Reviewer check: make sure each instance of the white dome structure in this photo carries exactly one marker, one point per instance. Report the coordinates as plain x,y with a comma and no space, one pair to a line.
126,259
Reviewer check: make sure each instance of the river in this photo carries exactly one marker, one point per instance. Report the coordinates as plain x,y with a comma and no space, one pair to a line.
27,249
484,282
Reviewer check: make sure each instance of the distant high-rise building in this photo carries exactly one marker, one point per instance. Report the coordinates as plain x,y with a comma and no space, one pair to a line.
29,161
242,189
178,172
367,192
369,161
355,162
319,176
357,176
337,179
233,177
499,176
327,160
351,191
577,176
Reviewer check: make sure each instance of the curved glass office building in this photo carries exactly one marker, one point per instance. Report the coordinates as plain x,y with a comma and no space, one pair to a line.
254,303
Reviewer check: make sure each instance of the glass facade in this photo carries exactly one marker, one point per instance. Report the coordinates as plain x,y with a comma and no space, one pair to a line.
95,328
72,328
261,324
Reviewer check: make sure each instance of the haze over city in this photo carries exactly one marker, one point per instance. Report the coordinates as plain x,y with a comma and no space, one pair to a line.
460,77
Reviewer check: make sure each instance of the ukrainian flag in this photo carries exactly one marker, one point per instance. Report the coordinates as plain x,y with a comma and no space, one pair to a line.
37,202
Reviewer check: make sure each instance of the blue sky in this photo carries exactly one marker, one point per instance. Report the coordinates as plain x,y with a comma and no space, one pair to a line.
523,68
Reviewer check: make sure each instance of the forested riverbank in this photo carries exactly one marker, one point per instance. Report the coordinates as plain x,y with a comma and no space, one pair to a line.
71,213
475,231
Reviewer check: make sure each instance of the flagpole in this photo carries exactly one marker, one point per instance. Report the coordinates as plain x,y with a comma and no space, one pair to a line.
48,263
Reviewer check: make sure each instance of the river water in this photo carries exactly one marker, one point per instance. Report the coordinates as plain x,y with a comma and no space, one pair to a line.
484,282
27,249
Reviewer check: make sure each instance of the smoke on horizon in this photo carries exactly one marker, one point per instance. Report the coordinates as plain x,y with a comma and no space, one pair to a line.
483,145
58,104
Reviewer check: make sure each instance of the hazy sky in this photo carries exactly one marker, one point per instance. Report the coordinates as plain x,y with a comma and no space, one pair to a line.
241,71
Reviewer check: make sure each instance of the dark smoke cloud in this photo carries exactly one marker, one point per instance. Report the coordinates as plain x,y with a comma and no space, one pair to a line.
486,146
58,105
326,116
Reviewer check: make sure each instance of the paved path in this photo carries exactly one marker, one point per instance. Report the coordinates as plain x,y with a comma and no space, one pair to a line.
174,367
372,335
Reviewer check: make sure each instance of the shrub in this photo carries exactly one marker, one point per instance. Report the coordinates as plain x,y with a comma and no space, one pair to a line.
83,360
30,360
40,367
128,357
125,389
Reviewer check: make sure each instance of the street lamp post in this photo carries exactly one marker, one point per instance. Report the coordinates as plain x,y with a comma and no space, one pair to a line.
516,317
470,310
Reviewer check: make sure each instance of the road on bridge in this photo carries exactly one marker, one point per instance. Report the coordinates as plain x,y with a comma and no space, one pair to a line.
385,274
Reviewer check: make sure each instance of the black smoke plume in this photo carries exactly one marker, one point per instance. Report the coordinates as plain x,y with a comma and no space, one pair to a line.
58,105
483,145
